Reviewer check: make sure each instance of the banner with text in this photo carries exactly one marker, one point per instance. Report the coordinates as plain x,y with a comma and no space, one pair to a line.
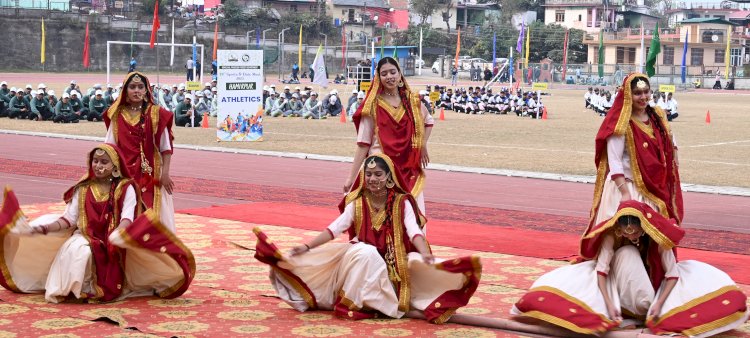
240,82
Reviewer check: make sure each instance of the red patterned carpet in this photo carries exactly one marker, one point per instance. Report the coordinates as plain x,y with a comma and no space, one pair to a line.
231,296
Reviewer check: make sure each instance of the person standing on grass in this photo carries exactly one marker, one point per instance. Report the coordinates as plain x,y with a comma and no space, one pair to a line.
189,65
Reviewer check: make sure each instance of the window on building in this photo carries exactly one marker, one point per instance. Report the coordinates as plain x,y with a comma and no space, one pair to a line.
696,56
631,55
735,57
719,56
620,55
350,15
711,36
559,16
668,55
580,17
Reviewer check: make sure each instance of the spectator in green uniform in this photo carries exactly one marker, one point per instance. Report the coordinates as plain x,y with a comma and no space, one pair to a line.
43,89
97,106
76,105
108,95
19,107
52,99
72,87
64,112
27,93
183,113
4,99
40,108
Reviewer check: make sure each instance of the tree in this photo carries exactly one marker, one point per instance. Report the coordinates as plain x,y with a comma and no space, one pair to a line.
147,8
423,8
446,14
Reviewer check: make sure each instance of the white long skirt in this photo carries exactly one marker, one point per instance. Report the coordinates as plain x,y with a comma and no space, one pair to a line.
570,297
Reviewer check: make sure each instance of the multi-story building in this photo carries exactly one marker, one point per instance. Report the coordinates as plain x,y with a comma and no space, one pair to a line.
587,15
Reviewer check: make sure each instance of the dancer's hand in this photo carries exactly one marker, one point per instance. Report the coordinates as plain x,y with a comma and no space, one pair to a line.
614,314
167,182
425,157
298,250
428,258
626,197
655,310
40,229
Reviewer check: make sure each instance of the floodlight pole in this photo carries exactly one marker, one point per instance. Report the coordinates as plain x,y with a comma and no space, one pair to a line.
281,49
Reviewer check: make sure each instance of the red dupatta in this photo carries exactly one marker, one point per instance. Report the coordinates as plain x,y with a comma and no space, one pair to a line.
140,140
652,155
98,217
662,232
390,237
399,132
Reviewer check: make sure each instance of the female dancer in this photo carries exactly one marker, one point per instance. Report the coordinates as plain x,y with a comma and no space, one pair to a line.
393,121
636,156
143,131
633,275
387,265
99,248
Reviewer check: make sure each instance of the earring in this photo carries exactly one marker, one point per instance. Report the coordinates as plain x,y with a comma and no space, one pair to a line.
401,83
618,232
116,173
389,183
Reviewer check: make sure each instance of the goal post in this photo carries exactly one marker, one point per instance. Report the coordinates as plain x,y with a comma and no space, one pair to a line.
110,43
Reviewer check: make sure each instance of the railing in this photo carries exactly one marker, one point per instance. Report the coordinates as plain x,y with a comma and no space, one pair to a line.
36,4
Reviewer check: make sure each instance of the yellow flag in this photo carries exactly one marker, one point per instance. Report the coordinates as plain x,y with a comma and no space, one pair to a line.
528,37
726,53
43,40
299,63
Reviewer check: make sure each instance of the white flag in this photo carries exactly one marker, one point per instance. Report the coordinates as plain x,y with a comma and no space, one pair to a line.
171,55
319,66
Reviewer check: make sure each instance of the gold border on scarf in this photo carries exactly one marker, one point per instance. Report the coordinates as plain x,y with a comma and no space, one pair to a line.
4,232
397,113
402,258
663,241
638,179
697,301
713,325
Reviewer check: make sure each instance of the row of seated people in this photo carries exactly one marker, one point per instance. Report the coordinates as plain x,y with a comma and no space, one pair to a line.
44,105
480,100
599,100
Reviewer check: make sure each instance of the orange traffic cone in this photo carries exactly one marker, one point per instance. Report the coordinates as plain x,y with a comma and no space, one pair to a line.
544,113
204,123
708,117
343,117
442,114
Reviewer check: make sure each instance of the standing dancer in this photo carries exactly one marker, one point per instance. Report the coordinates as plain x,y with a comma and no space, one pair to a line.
143,131
393,121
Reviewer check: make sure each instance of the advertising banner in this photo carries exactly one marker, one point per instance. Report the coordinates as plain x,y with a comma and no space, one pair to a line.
239,84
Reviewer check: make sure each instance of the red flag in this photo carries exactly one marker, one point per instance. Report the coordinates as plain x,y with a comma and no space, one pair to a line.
343,44
156,25
216,39
86,61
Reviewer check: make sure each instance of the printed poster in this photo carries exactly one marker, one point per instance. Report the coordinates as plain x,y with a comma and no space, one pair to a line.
240,82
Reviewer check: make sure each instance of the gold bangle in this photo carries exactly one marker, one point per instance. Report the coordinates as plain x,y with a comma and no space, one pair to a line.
621,184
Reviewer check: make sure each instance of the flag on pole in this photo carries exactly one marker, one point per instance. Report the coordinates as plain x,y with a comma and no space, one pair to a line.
195,54
565,54
519,43
319,66
343,48
257,38
155,26
458,47
494,51
395,52
216,40
643,52
528,38
653,52
299,52
44,37
601,54
510,66
171,53
684,57
86,61
726,53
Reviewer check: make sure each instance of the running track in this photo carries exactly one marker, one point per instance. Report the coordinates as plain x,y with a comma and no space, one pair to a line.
26,153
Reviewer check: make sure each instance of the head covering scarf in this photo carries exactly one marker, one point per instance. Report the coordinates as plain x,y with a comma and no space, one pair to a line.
654,167
122,97
660,231
411,145
114,154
